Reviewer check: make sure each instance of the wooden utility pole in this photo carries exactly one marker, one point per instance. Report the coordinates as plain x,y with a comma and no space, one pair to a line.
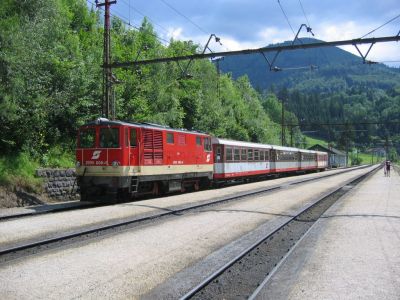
283,142
291,136
108,107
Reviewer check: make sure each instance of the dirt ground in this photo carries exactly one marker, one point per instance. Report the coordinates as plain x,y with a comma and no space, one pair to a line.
18,198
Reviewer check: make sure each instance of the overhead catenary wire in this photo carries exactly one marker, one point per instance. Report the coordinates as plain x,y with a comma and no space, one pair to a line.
127,23
184,16
286,17
189,20
384,24
128,3
304,13
258,50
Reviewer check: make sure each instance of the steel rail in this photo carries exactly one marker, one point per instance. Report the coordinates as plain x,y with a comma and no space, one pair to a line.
102,230
229,264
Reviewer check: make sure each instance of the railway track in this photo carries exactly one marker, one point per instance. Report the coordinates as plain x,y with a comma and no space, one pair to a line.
246,274
56,208
34,247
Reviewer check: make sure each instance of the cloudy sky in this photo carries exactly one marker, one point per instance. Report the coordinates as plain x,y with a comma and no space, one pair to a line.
243,24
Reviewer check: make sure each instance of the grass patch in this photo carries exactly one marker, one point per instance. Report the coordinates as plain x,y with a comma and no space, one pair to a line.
310,141
366,158
19,171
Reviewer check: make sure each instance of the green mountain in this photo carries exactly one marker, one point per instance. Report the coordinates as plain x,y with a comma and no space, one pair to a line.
319,64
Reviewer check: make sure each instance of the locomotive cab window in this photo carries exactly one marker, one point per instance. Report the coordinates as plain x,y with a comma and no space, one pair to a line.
207,144
87,138
133,136
109,137
198,141
170,138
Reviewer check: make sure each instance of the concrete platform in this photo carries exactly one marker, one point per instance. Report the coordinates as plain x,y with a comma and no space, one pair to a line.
353,252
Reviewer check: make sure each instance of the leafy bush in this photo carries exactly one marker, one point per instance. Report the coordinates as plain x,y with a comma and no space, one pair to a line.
57,157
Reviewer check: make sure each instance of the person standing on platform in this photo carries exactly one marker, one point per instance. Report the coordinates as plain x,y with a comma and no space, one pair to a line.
387,168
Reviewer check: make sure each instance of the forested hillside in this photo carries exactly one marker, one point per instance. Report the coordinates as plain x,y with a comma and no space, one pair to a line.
340,89
51,81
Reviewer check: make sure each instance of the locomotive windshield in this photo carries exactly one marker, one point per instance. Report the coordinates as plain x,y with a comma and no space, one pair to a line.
109,137
87,138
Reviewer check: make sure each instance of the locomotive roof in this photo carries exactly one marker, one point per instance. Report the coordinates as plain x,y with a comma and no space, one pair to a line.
104,121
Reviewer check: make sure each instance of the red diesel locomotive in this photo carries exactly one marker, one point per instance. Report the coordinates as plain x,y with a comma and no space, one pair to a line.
120,160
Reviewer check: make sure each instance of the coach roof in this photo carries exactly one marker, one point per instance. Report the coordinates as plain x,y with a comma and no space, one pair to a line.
239,143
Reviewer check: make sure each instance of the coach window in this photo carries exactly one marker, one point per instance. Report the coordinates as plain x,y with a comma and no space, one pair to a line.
262,155
267,155
277,156
243,155
256,155
133,137
109,137
170,138
250,154
87,138
237,154
229,154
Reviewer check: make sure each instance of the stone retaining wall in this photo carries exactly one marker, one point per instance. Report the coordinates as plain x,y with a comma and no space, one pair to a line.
59,183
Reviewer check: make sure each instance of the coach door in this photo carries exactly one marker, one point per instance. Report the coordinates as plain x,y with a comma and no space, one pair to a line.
273,160
218,159
299,159
133,148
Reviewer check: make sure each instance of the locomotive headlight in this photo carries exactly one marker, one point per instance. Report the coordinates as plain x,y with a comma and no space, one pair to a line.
78,164
115,163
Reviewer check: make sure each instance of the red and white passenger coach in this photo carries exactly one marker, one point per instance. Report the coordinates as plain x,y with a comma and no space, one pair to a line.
235,159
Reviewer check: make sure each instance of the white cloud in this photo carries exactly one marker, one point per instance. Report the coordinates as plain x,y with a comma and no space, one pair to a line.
352,30
334,32
273,35
175,33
